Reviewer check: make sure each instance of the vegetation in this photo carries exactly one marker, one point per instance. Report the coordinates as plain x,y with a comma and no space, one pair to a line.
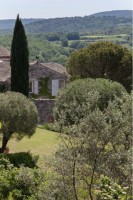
19,176
91,160
18,117
117,13
87,24
19,60
53,51
71,104
45,36
119,20
22,158
97,142
22,183
102,60
7,24
98,147
108,189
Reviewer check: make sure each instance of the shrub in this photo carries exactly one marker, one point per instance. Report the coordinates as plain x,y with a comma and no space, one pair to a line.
73,102
50,126
109,189
24,184
22,158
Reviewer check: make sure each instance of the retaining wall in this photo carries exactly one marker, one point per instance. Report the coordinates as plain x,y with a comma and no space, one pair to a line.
45,110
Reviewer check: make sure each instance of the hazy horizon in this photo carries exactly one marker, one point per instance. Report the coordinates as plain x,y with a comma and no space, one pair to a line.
61,17
59,8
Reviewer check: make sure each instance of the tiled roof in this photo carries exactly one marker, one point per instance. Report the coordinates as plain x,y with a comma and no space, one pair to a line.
56,67
4,52
53,66
5,70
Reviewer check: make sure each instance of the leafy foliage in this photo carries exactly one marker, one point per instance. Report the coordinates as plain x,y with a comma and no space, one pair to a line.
102,60
40,45
95,121
91,24
20,159
100,144
23,183
108,189
73,36
107,22
18,116
64,42
74,102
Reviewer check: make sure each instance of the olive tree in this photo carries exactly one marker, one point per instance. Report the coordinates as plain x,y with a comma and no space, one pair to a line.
99,145
71,104
18,117
94,117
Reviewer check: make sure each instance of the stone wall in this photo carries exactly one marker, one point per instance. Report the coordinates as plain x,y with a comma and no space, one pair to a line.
45,110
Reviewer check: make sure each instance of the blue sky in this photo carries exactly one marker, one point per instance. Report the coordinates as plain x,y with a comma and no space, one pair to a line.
58,8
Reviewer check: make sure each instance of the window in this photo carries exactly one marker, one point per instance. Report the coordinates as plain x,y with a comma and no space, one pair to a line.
61,83
33,87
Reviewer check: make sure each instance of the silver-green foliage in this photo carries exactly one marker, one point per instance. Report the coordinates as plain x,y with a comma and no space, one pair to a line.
18,115
96,143
80,96
108,189
23,183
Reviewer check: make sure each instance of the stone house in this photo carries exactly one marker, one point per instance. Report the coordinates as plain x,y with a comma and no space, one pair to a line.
45,81
5,70
45,78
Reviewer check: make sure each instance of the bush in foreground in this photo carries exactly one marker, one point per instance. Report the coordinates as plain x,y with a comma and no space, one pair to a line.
21,159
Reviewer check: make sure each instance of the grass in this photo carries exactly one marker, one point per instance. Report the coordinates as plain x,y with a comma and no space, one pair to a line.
103,36
43,142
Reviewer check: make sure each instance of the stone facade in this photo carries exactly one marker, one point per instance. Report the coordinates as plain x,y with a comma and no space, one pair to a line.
45,110
50,75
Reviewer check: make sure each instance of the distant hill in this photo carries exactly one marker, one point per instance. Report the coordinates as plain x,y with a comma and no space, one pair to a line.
88,24
116,13
9,23
111,22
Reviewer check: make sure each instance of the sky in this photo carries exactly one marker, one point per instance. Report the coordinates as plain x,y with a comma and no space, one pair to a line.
58,8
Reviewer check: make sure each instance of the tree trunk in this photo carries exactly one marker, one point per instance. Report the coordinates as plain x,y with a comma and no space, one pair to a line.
74,180
4,143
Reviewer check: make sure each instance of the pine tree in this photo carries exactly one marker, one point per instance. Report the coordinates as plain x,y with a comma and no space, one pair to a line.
19,60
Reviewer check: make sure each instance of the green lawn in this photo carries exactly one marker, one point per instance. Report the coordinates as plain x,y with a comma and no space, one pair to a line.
43,142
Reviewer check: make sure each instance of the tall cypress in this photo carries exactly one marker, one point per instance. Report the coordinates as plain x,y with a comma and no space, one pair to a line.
19,60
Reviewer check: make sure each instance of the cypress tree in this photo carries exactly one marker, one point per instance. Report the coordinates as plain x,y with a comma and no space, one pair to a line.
19,60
